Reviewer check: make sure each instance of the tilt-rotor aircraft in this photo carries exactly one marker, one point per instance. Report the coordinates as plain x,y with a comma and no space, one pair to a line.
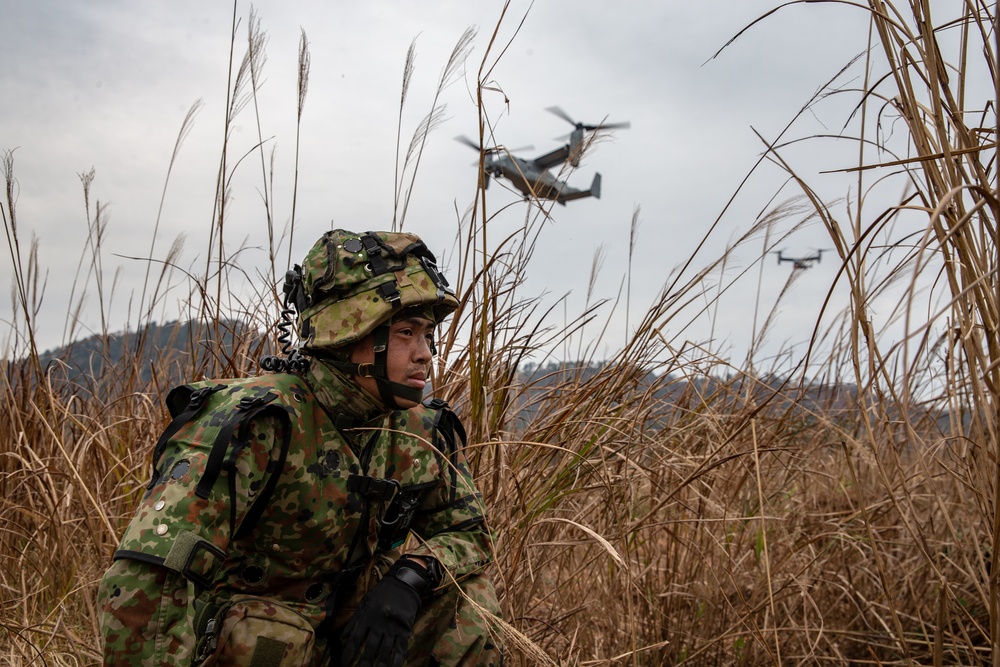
800,262
532,177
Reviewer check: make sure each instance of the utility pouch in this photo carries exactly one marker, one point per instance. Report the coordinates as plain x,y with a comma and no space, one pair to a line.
253,631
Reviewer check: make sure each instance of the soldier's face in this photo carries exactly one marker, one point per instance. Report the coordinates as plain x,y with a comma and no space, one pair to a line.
409,357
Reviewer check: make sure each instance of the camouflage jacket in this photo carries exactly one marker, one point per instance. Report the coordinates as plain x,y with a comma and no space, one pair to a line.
312,482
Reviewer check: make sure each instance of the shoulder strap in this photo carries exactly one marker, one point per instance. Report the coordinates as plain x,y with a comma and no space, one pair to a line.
218,429
260,504
447,423
281,391
193,401
247,409
450,428
236,424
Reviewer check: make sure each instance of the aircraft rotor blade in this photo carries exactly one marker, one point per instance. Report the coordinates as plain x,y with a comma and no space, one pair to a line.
562,114
589,128
606,126
615,126
462,139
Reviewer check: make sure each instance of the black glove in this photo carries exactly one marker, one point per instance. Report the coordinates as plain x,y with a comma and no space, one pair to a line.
378,633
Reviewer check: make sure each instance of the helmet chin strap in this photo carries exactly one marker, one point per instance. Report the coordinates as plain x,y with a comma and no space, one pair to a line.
388,390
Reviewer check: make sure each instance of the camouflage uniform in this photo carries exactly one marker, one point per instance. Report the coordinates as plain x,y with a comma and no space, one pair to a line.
275,504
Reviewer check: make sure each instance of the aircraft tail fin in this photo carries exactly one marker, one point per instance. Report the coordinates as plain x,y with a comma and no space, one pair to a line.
594,191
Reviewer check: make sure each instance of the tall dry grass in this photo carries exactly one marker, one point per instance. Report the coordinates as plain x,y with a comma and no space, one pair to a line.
665,505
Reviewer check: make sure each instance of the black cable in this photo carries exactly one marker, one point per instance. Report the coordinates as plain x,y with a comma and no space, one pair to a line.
294,301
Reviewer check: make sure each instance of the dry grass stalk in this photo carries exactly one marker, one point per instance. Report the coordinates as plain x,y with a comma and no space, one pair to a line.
663,505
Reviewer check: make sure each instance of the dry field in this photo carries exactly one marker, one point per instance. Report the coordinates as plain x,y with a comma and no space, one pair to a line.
665,505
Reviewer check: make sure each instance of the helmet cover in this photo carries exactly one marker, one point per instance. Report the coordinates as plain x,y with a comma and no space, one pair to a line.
353,282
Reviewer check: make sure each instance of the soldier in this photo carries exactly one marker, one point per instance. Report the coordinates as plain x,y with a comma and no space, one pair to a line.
320,515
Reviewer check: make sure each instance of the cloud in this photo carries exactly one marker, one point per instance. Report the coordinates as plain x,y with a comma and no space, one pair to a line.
108,83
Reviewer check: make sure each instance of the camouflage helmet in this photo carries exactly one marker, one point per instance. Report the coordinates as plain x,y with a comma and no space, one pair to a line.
353,282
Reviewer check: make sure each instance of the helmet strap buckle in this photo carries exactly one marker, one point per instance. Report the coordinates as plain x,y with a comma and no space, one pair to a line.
390,292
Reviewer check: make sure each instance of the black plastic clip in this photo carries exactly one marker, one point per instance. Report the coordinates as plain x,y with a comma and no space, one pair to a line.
432,270
373,488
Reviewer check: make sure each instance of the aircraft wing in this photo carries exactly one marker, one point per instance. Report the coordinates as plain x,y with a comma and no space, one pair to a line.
553,158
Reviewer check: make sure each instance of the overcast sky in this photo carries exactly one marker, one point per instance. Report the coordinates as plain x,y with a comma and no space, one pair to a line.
107,83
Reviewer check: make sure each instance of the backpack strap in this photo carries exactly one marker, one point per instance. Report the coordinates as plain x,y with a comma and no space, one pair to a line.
193,401
263,500
248,408
449,426
220,429
231,439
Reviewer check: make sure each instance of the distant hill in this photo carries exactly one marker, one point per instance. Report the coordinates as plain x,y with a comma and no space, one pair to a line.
171,351
671,394
163,355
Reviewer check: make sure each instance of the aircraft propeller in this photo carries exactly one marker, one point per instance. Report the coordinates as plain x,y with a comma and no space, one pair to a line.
462,139
589,128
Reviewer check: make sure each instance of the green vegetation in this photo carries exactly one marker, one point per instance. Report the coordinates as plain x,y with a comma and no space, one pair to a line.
647,511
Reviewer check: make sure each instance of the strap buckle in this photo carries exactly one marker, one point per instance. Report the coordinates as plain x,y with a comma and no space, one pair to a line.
204,580
390,292
374,488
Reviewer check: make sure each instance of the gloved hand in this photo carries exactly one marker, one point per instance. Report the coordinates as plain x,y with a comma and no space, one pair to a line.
379,632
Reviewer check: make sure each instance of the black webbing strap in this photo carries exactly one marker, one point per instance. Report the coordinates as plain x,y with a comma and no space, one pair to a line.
375,253
390,292
341,584
395,519
373,488
345,422
382,381
195,402
432,270
248,407
449,426
364,370
260,504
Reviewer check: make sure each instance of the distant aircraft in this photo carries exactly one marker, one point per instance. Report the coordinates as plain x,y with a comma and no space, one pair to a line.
532,177
800,262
